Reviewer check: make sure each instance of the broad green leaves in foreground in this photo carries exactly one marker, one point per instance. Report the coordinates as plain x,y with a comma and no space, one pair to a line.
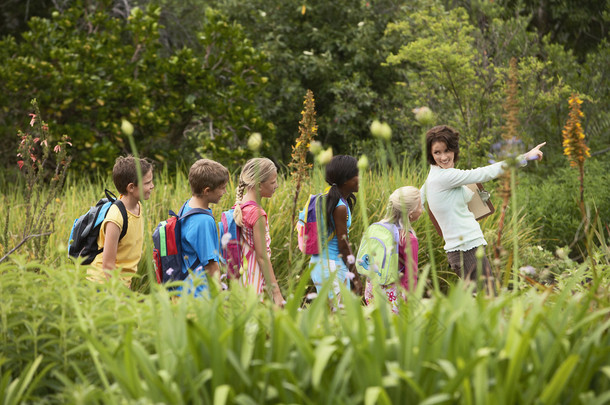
71,341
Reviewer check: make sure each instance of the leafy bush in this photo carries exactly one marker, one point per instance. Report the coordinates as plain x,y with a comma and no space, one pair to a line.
551,199
64,340
90,69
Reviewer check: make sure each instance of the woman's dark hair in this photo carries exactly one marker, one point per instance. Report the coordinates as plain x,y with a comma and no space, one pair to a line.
339,170
442,133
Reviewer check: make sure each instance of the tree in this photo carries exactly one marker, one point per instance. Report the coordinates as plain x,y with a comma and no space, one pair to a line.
89,70
337,50
460,70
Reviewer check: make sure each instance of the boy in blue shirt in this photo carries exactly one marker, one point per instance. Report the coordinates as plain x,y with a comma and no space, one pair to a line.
200,245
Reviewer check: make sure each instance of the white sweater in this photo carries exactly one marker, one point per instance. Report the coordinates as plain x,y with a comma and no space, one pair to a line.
448,197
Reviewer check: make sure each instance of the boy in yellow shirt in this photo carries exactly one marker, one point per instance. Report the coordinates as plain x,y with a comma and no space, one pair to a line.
123,253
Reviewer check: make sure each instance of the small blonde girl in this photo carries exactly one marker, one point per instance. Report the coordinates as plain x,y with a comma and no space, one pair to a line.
405,206
258,179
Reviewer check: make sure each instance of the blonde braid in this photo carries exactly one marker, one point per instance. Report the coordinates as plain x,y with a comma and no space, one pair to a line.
255,171
239,195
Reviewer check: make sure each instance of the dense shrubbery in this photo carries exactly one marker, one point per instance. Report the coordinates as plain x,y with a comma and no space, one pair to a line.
64,340
196,81
551,200
88,70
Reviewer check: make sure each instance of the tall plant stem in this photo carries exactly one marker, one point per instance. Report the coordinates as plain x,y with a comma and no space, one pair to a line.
134,151
428,233
514,220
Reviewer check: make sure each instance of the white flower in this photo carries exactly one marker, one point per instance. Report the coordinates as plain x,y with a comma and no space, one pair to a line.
126,127
361,23
351,259
324,157
169,271
311,296
225,239
424,115
350,275
528,270
315,147
255,141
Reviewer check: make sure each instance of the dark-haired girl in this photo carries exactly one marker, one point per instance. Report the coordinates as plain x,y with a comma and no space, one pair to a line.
337,257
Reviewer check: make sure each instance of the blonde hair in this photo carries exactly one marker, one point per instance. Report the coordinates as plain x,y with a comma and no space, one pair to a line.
403,201
254,172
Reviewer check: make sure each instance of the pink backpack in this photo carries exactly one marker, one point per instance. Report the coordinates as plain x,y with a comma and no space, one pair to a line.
307,226
230,253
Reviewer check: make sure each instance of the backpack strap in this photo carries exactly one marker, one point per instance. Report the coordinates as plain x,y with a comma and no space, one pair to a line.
123,212
430,214
192,211
121,206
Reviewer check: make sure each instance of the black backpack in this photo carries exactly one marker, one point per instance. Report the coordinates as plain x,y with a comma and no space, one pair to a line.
86,228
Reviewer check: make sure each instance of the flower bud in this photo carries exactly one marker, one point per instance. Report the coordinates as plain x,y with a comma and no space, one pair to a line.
363,163
315,147
381,130
255,141
126,127
424,116
324,157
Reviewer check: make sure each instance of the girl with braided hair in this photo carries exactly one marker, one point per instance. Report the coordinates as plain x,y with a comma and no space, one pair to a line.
336,256
258,179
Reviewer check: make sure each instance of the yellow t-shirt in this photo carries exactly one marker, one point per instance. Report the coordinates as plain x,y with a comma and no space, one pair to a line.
129,250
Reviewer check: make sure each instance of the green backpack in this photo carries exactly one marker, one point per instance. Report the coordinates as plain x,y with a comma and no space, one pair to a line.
378,253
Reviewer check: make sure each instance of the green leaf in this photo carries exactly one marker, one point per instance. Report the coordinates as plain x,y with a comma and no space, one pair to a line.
554,388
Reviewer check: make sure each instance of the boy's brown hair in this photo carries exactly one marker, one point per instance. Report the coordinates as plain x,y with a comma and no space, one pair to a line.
442,133
125,172
207,173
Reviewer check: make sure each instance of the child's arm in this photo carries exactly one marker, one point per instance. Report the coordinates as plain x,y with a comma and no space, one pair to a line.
263,260
111,244
340,218
212,269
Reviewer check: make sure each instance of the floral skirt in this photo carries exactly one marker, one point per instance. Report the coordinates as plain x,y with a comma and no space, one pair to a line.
391,291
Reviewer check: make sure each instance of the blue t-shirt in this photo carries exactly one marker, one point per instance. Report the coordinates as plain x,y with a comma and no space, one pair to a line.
333,244
329,261
199,240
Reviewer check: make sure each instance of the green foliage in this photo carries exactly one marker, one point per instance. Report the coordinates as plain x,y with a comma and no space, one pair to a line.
551,199
89,70
460,71
43,167
336,49
64,340
199,82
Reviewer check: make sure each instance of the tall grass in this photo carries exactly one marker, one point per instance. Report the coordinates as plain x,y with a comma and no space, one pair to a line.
65,340
171,191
